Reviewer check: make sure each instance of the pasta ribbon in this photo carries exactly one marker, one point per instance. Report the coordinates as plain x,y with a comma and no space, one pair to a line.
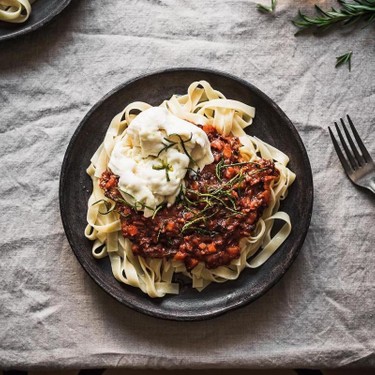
15,11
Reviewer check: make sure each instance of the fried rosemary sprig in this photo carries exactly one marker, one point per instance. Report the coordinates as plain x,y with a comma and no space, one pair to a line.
136,203
164,165
181,142
221,165
157,209
167,146
201,216
204,231
110,206
216,196
210,200
350,13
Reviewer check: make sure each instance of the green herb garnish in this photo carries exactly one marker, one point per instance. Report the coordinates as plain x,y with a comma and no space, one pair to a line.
196,172
215,196
164,165
136,203
108,205
167,146
343,59
158,235
221,165
157,209
204,231
181,142
218,169
200,217
350,13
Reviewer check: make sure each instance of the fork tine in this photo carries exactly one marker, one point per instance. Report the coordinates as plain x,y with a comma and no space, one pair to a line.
364,151
349,155
339,153
359,159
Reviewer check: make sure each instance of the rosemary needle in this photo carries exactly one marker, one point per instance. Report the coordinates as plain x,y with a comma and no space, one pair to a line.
108,205
345,58
164,165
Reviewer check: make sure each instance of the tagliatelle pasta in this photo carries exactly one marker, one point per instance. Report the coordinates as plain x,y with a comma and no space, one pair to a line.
206,107
15,11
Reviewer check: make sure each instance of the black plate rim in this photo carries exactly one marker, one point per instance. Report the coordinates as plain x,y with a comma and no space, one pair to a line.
25,28
296,247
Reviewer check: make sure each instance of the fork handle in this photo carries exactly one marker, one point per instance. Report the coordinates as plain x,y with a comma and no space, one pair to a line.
371,186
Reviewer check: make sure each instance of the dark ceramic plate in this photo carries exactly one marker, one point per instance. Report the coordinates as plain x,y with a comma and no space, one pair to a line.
270,124
42,12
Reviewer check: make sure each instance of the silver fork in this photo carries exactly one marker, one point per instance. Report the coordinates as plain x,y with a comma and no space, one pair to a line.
359,167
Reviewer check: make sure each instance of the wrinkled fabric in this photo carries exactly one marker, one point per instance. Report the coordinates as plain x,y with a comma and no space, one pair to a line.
321,314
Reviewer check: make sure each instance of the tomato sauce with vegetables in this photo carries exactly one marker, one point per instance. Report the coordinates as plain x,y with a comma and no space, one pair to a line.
218,206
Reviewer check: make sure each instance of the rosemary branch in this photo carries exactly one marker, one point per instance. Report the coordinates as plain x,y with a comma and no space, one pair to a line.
349,13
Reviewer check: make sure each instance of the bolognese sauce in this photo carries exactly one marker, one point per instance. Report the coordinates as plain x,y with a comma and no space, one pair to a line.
217,207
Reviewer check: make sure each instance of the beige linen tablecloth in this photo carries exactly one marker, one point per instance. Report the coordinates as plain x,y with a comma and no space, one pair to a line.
321,314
